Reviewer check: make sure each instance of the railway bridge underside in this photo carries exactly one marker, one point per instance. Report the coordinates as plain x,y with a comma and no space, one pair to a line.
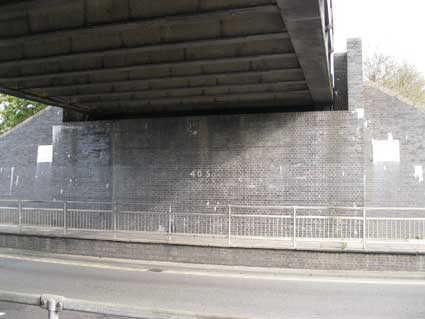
108,59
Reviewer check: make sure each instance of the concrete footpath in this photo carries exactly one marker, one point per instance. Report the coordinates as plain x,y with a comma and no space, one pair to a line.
232,291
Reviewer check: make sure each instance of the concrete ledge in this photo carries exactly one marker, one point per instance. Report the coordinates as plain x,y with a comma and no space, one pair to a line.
253,257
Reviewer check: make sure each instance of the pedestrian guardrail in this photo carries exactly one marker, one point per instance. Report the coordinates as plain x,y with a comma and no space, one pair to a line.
233,225
55,305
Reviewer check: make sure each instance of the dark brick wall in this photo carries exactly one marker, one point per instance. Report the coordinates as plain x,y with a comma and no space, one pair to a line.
269,159
82,162
288,158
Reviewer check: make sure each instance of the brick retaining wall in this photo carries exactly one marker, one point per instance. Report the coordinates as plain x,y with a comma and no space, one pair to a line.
293,259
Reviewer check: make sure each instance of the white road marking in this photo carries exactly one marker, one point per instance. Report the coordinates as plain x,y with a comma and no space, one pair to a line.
275,277
72,263
2,314
303,279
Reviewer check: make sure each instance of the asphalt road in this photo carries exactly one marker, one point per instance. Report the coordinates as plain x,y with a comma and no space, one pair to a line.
236,295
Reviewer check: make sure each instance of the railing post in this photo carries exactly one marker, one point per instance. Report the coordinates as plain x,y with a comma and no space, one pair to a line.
53,305
65,208
229,219
294,243
114,219
409,235
19,216
53,309
169,224
364,228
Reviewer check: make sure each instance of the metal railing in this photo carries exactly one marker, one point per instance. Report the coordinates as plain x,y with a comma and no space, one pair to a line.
235,225
55,305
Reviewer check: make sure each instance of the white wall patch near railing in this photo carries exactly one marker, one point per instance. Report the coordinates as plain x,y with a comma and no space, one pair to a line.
386,150
419,173
360,113
45,154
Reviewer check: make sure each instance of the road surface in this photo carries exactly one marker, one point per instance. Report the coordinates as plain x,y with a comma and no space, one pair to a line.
234,293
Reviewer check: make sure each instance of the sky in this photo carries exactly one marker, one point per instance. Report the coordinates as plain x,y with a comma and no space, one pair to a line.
393,27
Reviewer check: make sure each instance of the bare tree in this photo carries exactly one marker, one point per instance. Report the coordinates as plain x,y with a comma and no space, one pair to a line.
402,78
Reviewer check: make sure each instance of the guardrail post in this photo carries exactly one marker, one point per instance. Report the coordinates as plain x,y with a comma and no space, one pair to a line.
19,216
364,228
65,208
229,218
294,243
169,224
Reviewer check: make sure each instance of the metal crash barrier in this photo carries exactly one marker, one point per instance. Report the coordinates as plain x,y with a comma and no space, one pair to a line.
55,305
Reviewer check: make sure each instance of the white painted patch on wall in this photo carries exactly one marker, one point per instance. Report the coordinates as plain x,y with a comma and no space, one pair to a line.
45,154
12,177
360,113
386,150
419,173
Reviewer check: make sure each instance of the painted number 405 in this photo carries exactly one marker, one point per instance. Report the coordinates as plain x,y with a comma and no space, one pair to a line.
200,173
